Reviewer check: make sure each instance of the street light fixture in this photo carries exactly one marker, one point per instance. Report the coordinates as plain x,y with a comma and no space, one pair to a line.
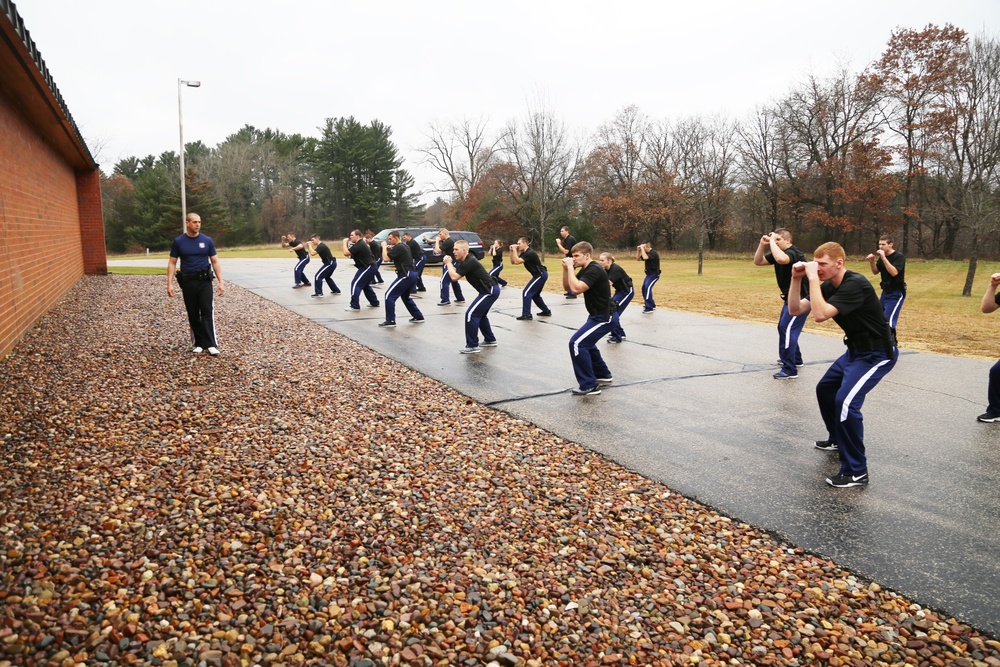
180,127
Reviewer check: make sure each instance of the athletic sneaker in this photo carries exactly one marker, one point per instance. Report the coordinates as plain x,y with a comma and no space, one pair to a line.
779,362
614,340
782,375
417,320
470,350
579,391
197,350
826,445
214,351
351,310
459,302
525,317
845,481
570,296
387,323
607,380
336,291
298,286
987,417
545,313
647,311
489,343
316,296
374,305
444,303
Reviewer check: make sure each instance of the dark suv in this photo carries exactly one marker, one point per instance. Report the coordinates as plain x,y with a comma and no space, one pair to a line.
426,241
414,232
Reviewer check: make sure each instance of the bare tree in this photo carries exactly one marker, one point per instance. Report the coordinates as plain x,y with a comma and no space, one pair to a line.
462,152
546,163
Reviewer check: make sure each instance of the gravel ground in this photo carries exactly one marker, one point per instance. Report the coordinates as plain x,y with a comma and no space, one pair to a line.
303,500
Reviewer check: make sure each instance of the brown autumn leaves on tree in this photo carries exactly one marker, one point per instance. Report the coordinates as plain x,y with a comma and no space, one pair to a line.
909,146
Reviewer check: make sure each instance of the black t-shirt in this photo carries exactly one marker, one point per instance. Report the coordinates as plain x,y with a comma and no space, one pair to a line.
376,248
653,263
568,243
783,272
361,253
532,263
416,252
399,255
300,251
858,307
619,279
448,247
598,295
324,254
497,255
476,274
895,283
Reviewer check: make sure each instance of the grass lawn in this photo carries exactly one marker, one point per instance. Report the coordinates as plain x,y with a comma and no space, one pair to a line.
935,316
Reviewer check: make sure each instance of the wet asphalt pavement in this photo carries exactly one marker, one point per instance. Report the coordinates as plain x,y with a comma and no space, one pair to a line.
693,406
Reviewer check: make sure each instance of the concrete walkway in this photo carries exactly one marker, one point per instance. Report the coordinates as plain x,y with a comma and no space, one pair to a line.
693,405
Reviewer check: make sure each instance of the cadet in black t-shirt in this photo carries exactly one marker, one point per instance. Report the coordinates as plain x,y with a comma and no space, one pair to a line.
444,246
376,249
849,300
624,291
293,244
419,260
357,249
651,259
776,249
592,281
521,253
477,316
891,265
319,249
565,241
496,254
399,254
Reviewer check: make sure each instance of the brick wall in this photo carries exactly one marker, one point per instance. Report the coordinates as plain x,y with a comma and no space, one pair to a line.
46,211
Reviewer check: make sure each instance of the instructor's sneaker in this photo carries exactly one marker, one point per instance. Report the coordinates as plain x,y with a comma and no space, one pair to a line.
988,417
197,350
580,391
607,380
470,350
489,343
214,351
826,445
387,323
525,317
545,313
417,320
845,481
782,375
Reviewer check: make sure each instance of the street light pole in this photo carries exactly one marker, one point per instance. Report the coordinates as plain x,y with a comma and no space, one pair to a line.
180,128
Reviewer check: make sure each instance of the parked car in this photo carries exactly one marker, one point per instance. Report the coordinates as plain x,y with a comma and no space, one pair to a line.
414,232
426,241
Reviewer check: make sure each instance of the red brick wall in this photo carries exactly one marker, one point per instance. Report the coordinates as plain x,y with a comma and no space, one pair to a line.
46,210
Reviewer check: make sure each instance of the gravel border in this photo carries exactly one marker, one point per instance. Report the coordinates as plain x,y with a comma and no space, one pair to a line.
302,500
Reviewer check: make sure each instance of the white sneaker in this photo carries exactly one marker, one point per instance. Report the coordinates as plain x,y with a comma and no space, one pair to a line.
197,350
214,351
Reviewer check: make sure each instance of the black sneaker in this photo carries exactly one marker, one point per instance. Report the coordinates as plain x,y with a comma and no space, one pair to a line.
387,323
614,340
525,317
444,303
845,481
782,375
489,343
570,296
988,417
826,445
579,391
417,320
459,302
316,296
607,380
545,313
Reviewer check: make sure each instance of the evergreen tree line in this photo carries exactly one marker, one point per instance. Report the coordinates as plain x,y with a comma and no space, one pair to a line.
259,184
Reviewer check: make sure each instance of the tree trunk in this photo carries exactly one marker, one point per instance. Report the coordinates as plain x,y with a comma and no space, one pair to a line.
970,276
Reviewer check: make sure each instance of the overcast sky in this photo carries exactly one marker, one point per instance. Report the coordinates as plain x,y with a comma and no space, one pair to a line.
289,65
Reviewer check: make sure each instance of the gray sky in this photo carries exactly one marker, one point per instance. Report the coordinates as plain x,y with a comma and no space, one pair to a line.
290,65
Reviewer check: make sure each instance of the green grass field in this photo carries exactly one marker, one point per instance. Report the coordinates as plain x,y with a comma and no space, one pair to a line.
935,317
